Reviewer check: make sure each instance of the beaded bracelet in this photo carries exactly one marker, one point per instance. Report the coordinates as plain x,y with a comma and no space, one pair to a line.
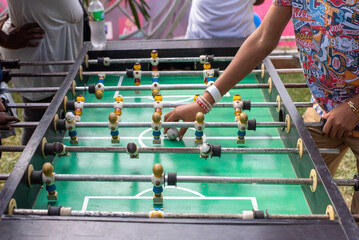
206,102
203,104
353,108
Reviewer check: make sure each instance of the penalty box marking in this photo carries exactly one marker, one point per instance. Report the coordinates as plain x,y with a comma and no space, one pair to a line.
198,197
188,97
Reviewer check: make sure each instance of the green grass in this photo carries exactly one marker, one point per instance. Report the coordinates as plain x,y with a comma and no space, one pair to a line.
347,167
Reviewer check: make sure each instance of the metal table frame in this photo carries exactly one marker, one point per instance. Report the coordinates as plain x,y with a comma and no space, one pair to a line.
26,227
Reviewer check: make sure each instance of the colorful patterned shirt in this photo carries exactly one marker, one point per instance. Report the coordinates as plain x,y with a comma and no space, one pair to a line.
327,35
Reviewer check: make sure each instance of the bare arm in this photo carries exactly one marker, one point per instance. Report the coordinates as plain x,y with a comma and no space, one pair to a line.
22,36
252,52
258,45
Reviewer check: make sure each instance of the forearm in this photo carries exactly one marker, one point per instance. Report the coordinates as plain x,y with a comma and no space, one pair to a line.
251,53
259,45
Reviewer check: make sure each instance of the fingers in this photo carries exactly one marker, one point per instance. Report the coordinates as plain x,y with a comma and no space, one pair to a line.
182,133
326,128
2,107
166,120
13,119
171,117
5,127
5,119
32,44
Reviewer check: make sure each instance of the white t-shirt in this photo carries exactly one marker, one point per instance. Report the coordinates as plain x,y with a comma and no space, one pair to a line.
220,19
62,21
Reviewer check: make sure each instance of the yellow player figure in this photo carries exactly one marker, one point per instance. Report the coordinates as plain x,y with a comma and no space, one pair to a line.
70,124
158,105
206,70
157,179
118,105
79,106
156,127
100,86
113,126
196,96
156,213
48,177
155,89
242,126
199,125
154,60
237,105
137,73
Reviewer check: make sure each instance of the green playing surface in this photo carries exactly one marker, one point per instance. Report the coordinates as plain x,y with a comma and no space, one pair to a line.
187,197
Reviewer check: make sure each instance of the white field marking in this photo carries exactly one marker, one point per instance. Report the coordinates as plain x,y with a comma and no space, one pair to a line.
120,80
141,135
198,197
163,137
147,130
180,188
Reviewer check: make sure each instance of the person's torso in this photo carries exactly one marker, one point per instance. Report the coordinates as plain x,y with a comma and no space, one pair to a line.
327,34
221,19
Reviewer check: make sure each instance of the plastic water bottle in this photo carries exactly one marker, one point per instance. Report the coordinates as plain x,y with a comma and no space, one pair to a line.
97,24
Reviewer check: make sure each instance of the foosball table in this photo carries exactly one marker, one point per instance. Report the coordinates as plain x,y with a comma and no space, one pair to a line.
99,166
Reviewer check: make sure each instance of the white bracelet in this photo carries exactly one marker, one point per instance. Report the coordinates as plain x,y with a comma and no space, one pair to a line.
213,90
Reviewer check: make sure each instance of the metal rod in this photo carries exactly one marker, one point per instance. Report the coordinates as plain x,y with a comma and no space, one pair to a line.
144,60
150,105
42,63
167,124
148,87
172,150
144,73
192,179
185,179
76,213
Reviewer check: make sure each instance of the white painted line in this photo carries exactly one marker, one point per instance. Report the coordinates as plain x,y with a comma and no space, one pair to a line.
120,80
139,197
180,188
141,135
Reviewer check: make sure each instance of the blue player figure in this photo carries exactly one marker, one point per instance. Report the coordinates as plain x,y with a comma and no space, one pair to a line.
100,86
71,126
242,126
199,125
48,177
210,78
113,125
157,180
155,77
156,126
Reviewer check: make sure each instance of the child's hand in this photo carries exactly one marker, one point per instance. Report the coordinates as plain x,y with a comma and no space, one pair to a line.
187,113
